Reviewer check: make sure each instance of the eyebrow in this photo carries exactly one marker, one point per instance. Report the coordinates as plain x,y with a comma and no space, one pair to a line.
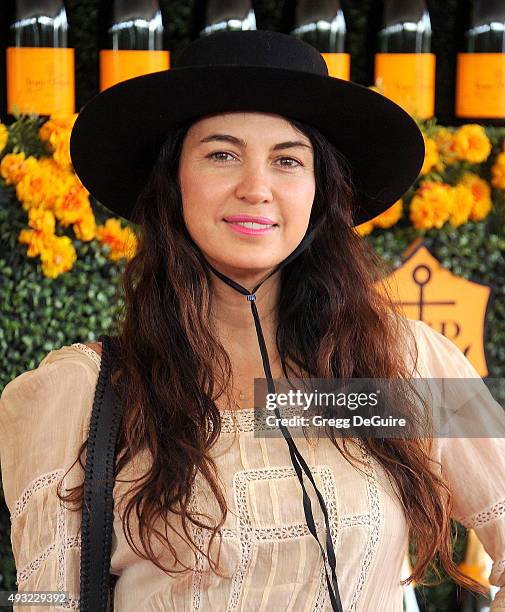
289,144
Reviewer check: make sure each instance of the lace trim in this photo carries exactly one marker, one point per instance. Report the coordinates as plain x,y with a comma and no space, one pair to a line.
375,519
89,351
496,573
35,564
62,544
42,482
489,515
246,534
199,538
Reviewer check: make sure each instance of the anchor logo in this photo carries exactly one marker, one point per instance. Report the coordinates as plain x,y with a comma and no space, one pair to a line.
452,305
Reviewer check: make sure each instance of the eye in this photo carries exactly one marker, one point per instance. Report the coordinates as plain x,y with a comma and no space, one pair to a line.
217,153
211,155
292,159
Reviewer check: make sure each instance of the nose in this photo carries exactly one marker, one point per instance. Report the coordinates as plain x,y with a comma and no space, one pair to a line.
254,185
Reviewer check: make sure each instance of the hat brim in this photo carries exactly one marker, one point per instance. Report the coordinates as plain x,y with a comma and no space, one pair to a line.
117,135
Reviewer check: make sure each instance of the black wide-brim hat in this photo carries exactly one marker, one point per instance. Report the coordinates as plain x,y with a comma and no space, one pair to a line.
117,135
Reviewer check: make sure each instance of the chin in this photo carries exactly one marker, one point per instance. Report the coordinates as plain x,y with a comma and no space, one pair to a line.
244,267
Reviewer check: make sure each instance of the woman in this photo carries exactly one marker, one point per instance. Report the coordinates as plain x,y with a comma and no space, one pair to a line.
208,515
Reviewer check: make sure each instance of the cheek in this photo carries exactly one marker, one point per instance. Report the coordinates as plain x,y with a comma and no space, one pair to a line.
201,202
298,200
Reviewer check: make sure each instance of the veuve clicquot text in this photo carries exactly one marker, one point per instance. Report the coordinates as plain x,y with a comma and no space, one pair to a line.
40,60
480,65
404,65
322,25
131,40
221,15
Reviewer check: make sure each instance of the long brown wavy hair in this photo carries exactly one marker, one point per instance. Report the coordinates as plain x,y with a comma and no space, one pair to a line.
170,366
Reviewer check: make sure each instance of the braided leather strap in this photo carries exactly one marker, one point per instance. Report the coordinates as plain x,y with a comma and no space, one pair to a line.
98,506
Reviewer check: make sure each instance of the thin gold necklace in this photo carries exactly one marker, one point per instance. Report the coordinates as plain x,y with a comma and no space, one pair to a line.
241,394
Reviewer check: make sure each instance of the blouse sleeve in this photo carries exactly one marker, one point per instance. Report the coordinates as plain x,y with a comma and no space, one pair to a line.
44,416
474,467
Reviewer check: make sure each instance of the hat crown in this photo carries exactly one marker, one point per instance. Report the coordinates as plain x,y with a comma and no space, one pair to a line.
253,48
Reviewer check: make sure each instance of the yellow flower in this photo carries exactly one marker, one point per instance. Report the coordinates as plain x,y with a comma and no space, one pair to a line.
56,131
4,136
444,139
56,124
471,143
62,152
481,195
480,210
30,190
364,228
42,183
51,166
463,204
35,239
431,205
390,216
72,206
431,158
41,219
43,223
85,229
57,256
13,167
498,171
122,241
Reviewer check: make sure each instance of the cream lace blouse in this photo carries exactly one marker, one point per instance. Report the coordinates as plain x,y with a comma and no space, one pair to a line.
270,559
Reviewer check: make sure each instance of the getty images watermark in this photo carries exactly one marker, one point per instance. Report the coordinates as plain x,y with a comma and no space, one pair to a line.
380,408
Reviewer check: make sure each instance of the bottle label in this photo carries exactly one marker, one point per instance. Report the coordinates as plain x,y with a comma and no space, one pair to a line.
339,65
409,80
480,85
40,80
117,66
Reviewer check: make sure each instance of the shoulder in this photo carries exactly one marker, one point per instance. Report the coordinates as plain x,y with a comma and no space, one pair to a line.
63,382
44,418
438,356
69,362
95,346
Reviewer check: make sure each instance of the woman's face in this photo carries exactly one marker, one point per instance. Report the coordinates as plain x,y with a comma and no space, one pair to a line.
251,164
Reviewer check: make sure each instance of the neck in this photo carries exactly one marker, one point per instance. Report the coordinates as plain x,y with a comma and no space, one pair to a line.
234,321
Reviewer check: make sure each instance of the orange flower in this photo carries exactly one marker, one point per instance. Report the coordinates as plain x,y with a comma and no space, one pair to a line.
431,158
471,143
122,241
389,217
431,205
481,195
72,206
85,228
57,256
463,204
444,139
498,171
364,228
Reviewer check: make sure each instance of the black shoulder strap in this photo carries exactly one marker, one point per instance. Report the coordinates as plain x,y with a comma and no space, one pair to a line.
98,503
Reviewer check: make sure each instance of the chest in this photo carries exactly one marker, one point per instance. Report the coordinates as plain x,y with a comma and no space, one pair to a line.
265,539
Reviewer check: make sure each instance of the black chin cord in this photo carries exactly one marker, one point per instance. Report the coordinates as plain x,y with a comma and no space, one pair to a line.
296,457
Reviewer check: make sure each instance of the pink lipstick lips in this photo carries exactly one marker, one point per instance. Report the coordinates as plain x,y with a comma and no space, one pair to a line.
249,225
